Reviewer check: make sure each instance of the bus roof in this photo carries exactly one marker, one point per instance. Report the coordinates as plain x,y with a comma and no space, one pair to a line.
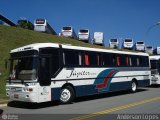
37,46
154,57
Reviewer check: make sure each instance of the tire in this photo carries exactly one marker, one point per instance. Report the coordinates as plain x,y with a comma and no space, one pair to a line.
133,86
67,95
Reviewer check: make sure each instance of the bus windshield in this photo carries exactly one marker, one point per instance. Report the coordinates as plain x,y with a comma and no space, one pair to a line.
23,68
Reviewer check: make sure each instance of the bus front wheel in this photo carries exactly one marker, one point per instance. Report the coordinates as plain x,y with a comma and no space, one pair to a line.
67,95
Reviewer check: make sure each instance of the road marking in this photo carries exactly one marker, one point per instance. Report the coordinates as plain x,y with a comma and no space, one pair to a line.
107,111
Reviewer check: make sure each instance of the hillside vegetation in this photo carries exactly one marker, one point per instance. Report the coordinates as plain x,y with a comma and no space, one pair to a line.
12,37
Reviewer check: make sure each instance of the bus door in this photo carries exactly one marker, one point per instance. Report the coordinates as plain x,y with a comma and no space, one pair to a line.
44,78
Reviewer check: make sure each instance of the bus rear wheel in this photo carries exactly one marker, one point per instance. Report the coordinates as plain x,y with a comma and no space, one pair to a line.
67,95
133,86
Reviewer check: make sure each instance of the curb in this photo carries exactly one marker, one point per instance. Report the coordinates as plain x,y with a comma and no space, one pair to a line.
3,105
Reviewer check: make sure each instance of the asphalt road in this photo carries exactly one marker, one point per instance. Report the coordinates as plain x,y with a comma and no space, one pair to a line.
145,101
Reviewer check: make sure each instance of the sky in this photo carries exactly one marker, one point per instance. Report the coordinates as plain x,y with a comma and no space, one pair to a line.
115,18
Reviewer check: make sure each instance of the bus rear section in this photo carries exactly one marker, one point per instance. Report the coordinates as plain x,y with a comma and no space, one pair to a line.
113,43
84,35
155,69
41,25
68,31
98,38
149,49
128,44
140,46
157,51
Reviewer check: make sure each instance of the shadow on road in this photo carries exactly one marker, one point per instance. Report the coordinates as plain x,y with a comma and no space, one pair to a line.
154,86
106,95
26,105
1,111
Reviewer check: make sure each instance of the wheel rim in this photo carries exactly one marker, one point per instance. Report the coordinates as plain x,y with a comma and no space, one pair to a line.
65,95
134,86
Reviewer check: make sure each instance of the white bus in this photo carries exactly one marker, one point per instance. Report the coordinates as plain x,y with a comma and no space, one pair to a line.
157,51
113,43
140,46
149,49
44,72
155,69
68,31
128,44
98,38
84,35
41,25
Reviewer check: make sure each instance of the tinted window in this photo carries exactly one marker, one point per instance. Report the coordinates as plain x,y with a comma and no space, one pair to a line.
124,60
71,57
128,40
109,59
40,21
55,58
149,47
92,58
66,28
140,42
113,40
154,64
84,31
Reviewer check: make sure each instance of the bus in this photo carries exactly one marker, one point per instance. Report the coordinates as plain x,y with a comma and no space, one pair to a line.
41,25
113,43
84,35
155,69
128,44
98,38
140,46
68,31
157,51
44,72
149,49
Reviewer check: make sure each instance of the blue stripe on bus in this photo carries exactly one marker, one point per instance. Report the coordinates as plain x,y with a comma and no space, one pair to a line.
104,84
85,90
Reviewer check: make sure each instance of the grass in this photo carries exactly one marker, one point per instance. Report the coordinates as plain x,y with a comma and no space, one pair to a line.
12,37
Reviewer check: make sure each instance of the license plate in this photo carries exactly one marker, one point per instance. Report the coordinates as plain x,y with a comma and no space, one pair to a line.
16,96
